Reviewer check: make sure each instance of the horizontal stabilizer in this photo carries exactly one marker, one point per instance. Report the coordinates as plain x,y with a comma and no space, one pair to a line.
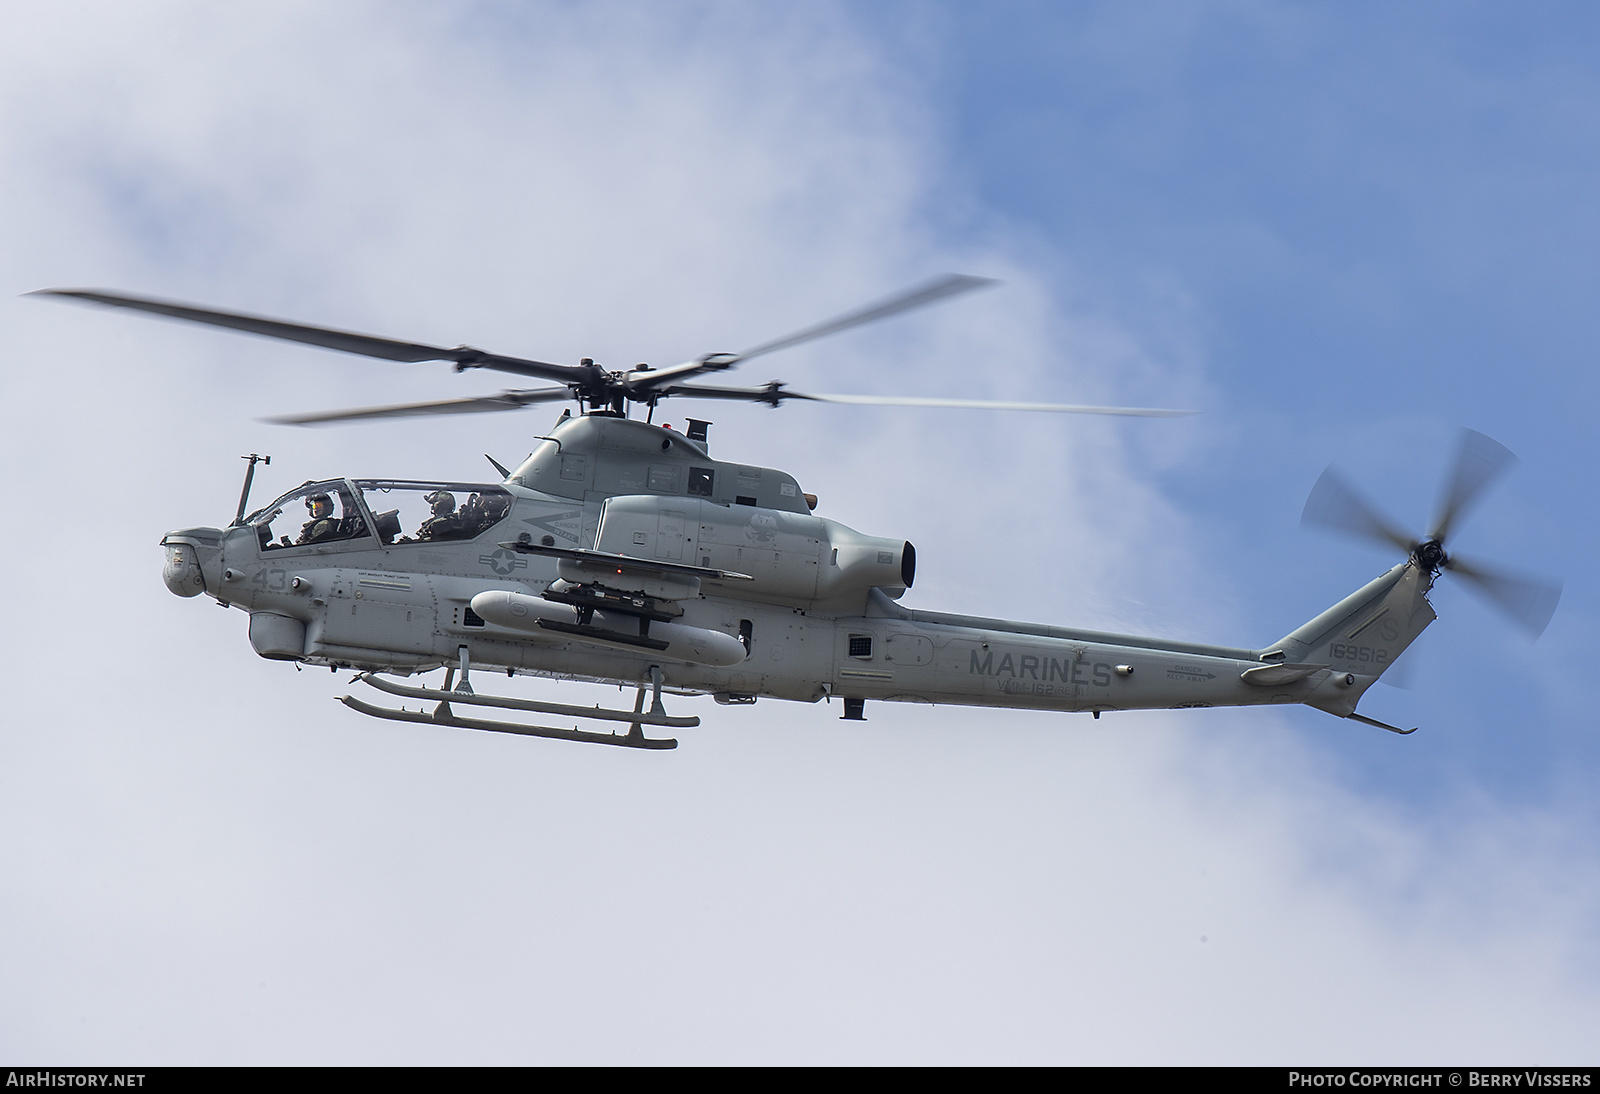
1271,676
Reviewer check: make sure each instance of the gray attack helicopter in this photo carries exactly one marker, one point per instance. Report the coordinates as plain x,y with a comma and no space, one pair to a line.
622,552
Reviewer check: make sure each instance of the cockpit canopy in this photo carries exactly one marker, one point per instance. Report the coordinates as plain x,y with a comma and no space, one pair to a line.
320,512
420,512
395,511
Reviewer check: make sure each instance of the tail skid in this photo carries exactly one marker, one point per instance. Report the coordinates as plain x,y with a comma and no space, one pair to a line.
1381,725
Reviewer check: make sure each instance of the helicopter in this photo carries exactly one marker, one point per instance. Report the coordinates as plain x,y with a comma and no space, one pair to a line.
620,551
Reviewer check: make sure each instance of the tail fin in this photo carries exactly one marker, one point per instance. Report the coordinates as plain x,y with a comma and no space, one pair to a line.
1359,637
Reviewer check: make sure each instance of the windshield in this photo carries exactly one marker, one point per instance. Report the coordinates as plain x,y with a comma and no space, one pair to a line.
320,512
431,512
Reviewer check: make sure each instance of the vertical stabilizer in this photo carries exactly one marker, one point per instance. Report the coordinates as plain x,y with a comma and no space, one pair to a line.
1362,635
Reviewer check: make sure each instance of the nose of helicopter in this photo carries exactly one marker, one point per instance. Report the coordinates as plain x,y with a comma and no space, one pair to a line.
181,573
193,561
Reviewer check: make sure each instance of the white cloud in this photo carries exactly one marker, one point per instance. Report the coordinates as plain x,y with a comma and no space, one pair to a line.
210,861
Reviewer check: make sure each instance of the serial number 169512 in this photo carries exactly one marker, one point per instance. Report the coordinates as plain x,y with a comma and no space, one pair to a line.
1341,651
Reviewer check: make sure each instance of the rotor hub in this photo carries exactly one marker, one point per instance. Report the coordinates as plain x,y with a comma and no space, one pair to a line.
1430,553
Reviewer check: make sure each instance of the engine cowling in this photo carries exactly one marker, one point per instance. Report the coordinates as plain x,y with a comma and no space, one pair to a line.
794,558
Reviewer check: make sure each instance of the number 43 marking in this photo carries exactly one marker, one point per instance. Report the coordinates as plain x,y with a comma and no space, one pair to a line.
271,581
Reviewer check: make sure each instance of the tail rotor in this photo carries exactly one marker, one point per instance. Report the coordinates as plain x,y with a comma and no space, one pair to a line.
1528,602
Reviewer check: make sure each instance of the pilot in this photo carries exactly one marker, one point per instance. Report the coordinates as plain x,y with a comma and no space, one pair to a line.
491,509
321,526
444,520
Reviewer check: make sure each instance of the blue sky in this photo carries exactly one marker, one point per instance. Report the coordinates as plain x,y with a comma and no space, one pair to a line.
1341,232
1378,224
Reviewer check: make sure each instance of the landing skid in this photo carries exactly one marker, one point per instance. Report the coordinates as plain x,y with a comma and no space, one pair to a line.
442,714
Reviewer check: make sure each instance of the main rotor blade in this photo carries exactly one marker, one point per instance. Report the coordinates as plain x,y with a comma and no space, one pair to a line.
923,295
653,380
506,400
775,393
1528,601
1333,504
1478,460
772,394
367,345
987,404
933,291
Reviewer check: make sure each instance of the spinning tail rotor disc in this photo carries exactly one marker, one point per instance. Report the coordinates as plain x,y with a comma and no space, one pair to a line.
1527,601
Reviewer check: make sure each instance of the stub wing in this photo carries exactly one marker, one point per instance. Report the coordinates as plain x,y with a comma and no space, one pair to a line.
579,564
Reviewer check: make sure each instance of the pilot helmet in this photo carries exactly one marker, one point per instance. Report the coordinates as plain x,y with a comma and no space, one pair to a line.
321,506
443,502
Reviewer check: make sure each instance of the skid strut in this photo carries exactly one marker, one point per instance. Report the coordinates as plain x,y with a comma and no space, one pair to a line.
442,714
